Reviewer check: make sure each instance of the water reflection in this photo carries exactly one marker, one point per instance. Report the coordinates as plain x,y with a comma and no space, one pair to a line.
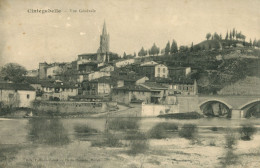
47,131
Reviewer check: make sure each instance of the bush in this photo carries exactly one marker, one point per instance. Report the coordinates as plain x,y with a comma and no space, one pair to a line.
247,131
123,123
159,131
138,143
231,139
214,128
109,139
84,129
188,131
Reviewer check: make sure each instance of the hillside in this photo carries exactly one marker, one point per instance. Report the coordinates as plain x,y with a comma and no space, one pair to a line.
247,86
220,44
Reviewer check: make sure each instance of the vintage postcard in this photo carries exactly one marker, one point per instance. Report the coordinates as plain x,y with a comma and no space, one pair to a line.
129,83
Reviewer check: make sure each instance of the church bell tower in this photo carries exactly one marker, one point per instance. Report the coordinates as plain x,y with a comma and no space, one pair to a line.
104,41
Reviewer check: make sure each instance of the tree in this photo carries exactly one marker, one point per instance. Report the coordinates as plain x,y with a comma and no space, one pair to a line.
174,47
184,49
226,38
220,36
208,35
250,42
13,72
230,35
216,36
142,52
155,50
134,54
124,56
167,48
191,48
233,33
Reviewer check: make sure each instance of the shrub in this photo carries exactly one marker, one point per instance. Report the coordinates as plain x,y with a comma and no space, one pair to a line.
123,123
109,139
159,131
188,131
84,129
138,143
214,128
247,131
231,139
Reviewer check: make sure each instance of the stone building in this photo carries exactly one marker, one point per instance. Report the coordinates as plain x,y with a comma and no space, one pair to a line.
16,95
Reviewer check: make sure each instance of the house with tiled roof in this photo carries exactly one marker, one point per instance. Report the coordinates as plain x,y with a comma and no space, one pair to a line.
100,86
16,94
148,92
58,90
154,70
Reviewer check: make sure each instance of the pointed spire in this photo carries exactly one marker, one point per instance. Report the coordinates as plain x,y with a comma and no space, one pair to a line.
104,28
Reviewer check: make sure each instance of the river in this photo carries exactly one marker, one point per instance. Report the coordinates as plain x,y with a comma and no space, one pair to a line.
44,139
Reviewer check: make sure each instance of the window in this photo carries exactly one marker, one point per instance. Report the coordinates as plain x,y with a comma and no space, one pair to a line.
163,70
28,96
11,95
158,70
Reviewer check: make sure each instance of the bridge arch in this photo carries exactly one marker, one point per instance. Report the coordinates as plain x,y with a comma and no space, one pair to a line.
251,109
249,103
215,108
215,100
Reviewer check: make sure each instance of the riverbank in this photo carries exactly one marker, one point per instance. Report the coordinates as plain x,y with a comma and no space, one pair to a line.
67,146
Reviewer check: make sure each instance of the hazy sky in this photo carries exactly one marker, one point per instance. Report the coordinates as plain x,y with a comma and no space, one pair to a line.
30,38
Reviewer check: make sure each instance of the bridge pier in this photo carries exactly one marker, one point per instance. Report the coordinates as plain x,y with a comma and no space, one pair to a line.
237,114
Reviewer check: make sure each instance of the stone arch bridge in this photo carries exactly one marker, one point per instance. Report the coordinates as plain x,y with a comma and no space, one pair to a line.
237,104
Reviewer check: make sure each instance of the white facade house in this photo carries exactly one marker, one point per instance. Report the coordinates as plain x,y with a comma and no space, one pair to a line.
161,71
16,95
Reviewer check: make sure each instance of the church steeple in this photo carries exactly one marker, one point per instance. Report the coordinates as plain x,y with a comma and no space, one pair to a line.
104,40
104,32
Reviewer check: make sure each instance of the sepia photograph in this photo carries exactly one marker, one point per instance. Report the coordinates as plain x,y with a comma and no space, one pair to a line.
129,83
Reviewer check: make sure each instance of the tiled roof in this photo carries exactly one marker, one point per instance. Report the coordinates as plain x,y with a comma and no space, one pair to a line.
153,85
16,86
133,88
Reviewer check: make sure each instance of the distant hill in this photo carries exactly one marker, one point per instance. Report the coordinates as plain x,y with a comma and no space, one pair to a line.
216,44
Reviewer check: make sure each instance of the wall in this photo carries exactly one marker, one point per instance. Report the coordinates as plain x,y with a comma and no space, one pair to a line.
188,103
142,80
121,96
74,107
9,98
96,75
53,71
123,63
152,110
26,98
104,88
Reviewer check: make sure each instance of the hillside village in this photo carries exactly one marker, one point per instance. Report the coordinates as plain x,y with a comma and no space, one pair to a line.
151,77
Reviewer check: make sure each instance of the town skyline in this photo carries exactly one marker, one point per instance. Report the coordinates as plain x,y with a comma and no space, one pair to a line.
30,38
